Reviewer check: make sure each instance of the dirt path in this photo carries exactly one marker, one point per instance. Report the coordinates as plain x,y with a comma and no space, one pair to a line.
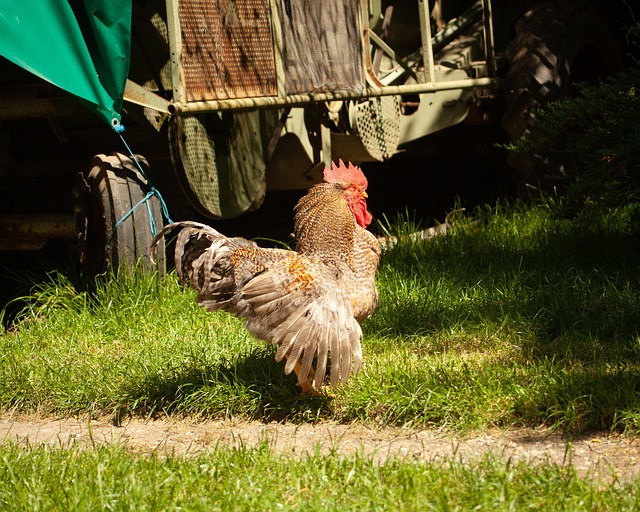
601,456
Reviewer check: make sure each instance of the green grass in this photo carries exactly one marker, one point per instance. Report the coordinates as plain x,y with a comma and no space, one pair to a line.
516,318
111,478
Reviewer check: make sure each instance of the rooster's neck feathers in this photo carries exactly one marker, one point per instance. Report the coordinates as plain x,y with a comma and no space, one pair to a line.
324,225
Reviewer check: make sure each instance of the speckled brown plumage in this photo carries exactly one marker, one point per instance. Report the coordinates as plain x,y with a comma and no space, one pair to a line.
307,302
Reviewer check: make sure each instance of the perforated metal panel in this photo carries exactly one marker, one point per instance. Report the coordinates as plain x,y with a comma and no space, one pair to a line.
227,49
219,159
377,122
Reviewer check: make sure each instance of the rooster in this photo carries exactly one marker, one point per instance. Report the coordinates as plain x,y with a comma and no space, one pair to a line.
308,302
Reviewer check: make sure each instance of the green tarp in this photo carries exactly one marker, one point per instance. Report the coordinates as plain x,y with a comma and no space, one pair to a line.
81,46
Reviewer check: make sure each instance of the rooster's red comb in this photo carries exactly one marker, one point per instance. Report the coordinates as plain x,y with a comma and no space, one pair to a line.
345,174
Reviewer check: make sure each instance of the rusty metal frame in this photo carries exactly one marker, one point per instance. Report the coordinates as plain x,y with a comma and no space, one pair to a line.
180,106
175,50
302,99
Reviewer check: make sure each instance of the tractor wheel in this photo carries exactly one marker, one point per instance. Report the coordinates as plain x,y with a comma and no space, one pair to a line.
556,46
220,160
111,241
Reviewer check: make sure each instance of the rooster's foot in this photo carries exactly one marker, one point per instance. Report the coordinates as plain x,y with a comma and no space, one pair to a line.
308,389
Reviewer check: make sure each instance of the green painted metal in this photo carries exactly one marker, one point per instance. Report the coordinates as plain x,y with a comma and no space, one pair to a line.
81,46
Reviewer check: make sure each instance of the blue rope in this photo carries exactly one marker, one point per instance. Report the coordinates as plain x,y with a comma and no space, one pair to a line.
119,129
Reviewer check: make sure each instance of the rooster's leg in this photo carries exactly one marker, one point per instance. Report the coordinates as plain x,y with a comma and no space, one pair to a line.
307,386
308,389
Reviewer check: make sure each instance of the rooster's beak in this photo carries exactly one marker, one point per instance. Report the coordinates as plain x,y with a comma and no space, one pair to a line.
364,194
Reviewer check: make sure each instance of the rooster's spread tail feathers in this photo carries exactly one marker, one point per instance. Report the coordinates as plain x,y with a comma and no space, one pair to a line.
202,260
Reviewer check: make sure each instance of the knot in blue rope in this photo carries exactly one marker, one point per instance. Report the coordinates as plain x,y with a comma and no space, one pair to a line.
119,129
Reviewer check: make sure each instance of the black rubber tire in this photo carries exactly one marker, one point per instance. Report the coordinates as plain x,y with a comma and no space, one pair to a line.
557,45
116,185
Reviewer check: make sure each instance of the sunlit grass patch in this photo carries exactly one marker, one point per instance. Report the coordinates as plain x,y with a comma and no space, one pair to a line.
516,317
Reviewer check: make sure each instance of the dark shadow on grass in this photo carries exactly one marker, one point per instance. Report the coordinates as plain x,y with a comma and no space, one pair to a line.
565,285
584,401
567,302
22,272
252,385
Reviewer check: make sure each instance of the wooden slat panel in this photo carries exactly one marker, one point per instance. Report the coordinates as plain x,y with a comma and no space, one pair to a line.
321,45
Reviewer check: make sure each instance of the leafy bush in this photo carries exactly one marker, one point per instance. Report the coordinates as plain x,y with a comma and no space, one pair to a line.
598,132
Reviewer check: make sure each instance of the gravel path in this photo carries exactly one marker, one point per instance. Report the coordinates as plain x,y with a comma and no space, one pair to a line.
602,456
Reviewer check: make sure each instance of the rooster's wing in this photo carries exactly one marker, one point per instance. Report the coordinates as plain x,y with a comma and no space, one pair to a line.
294,301
297,305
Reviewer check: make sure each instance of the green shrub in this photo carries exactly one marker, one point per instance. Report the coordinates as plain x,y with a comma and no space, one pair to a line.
597,133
